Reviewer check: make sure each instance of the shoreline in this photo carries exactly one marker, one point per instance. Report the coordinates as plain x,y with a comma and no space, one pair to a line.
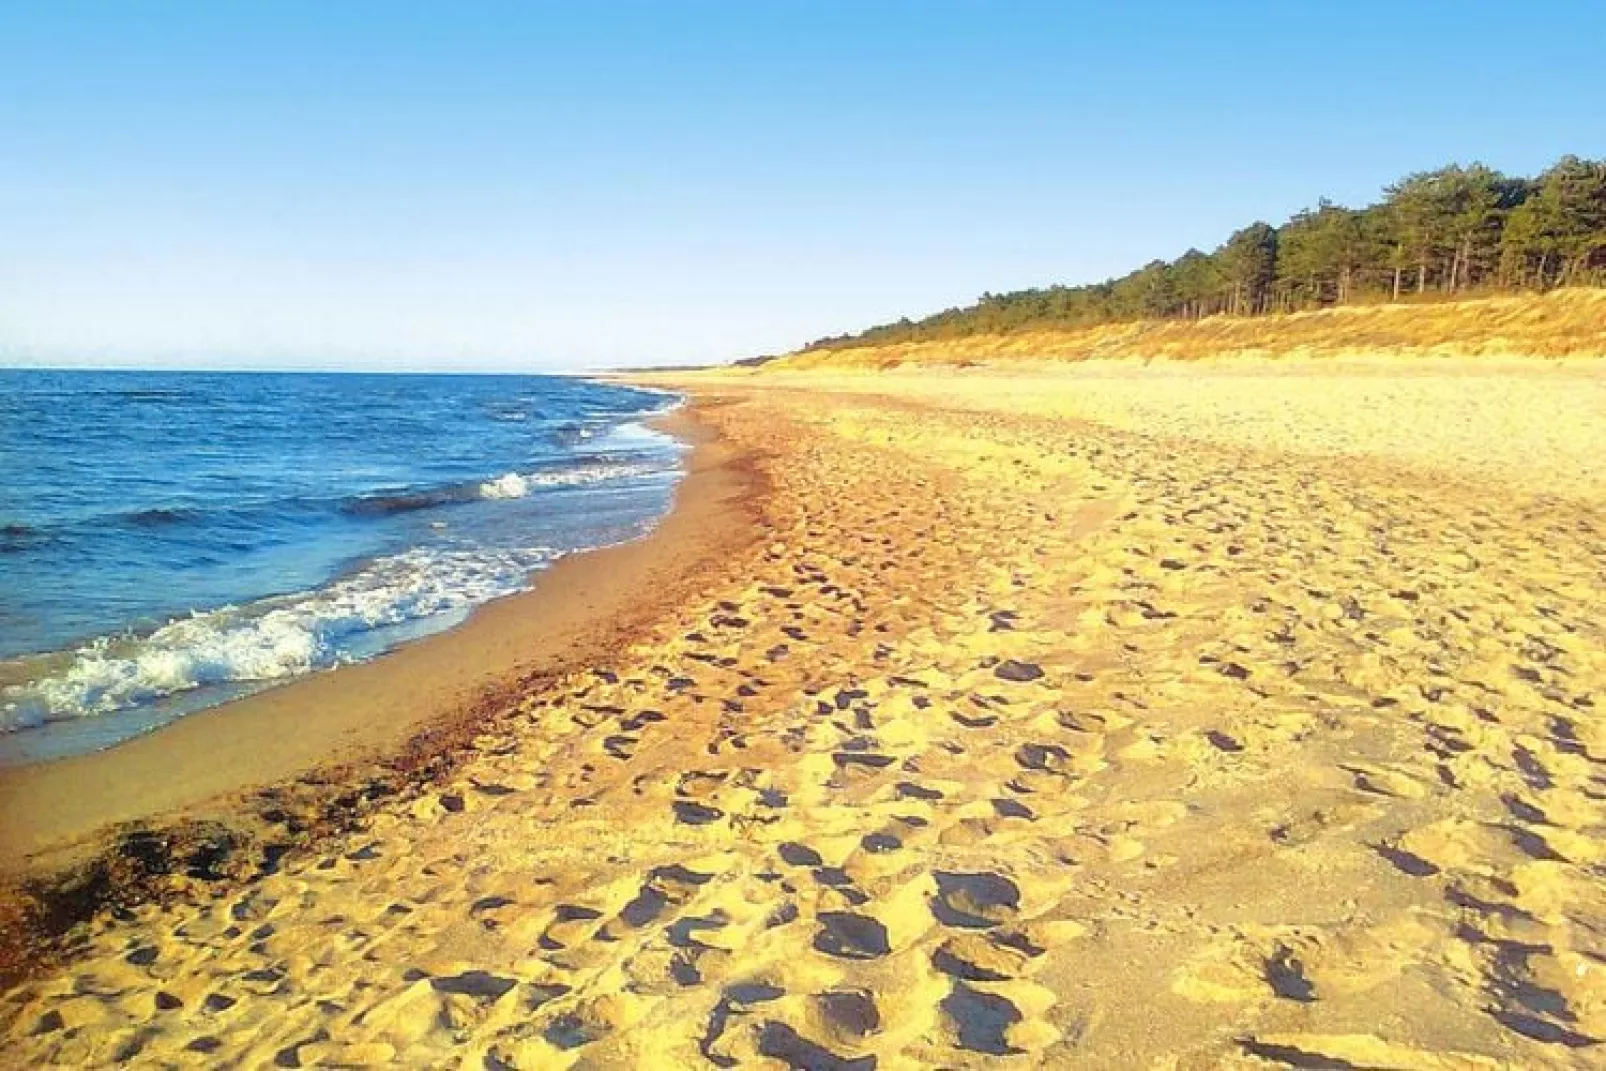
96,684
399,711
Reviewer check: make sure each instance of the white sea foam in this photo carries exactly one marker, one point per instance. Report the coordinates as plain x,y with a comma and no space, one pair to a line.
517,485
511,485
270,640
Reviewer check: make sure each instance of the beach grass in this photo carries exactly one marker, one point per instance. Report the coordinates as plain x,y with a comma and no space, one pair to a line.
1561,323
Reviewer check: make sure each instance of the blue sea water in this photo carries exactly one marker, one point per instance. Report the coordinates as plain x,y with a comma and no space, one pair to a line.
172,540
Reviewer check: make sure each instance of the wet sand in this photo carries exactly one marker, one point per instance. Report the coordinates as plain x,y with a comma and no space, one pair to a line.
1230,727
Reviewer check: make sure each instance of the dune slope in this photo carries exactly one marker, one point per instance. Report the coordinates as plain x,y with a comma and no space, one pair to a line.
1562,323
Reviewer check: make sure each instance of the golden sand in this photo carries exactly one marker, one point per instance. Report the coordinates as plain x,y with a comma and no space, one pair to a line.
1225,726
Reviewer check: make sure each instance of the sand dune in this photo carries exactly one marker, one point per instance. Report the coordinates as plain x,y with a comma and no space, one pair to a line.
1158,724
1559,324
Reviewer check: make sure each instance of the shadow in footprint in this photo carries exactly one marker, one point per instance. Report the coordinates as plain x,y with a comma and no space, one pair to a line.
1050,758
754,992
981,1020
635,722
796,854
665,885
563,914
481,985
1522,810
950,962
880,843
647,906
861,760
736,998
1017,672
1286,976
1405,861
682,932
851,1011
849,936
974,901
543,992
570,1031
780,1042
1532,844
1008,808
1538,1029
696,814
1289,1056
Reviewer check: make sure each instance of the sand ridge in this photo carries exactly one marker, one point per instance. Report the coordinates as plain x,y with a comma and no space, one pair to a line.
1568,322
1018,736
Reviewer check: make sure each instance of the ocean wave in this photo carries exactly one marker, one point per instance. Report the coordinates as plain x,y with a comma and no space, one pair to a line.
517,485
407,501
507,414
268,641
144,394
15,538
668,402
148,520
508,485
160,516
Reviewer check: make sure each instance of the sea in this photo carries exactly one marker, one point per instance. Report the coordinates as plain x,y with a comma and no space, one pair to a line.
170,541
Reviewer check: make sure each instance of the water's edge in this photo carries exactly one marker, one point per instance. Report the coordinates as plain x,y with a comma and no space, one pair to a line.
67,737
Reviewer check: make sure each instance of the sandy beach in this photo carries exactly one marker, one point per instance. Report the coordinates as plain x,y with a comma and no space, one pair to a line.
1200,716
224,793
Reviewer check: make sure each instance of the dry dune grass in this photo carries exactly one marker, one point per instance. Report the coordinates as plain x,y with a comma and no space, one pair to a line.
1563,323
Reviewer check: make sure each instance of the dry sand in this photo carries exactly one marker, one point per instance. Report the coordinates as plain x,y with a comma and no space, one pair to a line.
1044,723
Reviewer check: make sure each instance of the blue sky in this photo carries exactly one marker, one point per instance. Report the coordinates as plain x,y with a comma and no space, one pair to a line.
542,186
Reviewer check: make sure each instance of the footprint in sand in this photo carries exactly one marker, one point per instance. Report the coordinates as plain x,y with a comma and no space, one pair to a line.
849,936
974,901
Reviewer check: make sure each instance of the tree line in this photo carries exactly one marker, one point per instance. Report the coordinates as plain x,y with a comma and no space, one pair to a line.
1455,231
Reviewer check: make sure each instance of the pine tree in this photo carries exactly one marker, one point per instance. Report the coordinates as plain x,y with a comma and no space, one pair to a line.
1451,229
1249,262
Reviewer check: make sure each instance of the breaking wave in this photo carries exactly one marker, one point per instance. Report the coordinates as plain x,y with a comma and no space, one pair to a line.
270,640
517,485
508,485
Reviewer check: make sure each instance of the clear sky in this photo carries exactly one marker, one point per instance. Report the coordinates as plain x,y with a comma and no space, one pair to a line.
559,186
